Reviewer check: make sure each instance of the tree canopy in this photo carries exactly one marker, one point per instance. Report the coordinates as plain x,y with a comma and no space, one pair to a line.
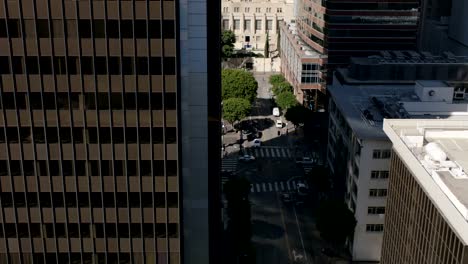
235,109
276,78
228,38
281,87
237,83
335,222
286,100
297,114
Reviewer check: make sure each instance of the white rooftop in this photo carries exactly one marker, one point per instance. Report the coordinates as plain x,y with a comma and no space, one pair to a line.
436,153
364,106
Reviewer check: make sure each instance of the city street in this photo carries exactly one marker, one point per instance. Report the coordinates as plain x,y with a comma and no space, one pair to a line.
282,232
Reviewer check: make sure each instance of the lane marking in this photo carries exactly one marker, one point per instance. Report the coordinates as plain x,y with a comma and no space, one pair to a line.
282,186
264,187
258,187
289,188
252,189
276,186
270,187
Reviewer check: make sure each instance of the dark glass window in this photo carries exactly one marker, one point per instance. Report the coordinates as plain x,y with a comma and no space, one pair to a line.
140,28
114,65
17,63
126,28
155,65
45,64
4,64
32,65
84,28
3,30
154,29
171,136
99,28
142,65
127,66
87,66
14,28
169,65
170,101
168,29
112,28
101,65
42,28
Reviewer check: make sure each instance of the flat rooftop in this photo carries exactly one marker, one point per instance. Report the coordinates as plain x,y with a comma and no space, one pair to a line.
364,106
436,153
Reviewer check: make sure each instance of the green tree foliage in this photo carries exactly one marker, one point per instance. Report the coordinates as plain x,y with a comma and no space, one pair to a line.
276,78
297,115
227,43
282,87
235,109
237,192
286,100
335,222
237,83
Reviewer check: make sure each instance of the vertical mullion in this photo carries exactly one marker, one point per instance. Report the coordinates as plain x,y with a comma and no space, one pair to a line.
164,131
150,93
85,134
111,125
8,152
98,125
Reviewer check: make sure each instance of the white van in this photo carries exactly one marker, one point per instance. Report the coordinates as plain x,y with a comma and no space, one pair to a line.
276,111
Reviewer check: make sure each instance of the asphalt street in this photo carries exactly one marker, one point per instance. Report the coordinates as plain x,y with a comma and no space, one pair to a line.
282,232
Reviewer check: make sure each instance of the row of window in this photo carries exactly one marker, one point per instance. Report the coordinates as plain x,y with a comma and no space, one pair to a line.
103,135
108,230
381,153
86,28
377,192
375,210
257,9
374,227
93,200
92,101
247,24
379,174
93,167
87,65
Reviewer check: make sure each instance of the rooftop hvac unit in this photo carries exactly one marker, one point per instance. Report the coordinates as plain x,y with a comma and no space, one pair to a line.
435,152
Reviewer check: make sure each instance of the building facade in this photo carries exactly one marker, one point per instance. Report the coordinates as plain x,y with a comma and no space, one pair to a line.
359,152
303,67
98,156
426,218
253,21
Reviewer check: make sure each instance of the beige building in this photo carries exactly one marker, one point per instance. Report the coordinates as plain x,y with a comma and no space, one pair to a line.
253,20
427,206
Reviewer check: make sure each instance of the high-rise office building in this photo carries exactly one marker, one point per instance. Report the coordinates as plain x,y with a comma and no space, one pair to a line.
330,32
426,216
105,121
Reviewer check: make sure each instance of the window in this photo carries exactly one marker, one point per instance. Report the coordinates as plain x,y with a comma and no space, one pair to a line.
269,24
168,29
278,23
258,24
225,9
379,174
377,192
42,27
279,10
375,210
381,154
247,10
236,25
247,24
374,228
268,9
258,10
236,9
225,24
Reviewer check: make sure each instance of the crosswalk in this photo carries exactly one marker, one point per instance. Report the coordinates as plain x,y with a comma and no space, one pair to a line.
229,165
274,186
270,152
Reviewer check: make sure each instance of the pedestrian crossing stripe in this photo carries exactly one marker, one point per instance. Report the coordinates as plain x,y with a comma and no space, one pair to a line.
274,186
269,152
228,164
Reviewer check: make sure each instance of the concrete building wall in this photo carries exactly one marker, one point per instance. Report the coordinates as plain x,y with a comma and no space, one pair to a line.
253,20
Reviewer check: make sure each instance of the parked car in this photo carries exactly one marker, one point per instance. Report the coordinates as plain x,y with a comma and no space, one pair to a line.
288,197
276,111
279,123
257,143
305,160
246,158
302,189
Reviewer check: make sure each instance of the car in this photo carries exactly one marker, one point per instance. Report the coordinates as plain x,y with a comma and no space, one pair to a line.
257,143
276,111
305,160
246,158
288,197
279,123
302,189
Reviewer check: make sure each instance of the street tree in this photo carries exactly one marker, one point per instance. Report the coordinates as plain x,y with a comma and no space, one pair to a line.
228,38
239,228
335,222
282,87
238,83
276,78
297,115
286,100
235,109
